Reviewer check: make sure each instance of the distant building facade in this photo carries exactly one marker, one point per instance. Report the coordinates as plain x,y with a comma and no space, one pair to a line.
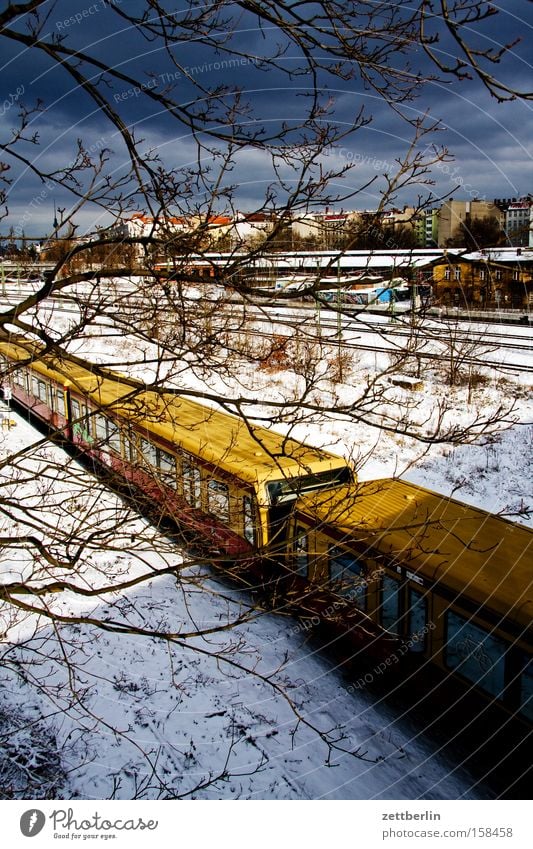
455,213
426,226
518,225
500,278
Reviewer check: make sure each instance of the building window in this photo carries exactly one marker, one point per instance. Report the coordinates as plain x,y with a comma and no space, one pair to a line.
447,274
482,274
457,273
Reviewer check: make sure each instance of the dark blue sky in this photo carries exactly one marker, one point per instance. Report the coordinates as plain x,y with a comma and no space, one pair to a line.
491,141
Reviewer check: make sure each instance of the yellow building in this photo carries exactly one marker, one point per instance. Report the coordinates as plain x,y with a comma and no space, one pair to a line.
498,278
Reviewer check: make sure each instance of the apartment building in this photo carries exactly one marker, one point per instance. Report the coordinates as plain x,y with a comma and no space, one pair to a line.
454,213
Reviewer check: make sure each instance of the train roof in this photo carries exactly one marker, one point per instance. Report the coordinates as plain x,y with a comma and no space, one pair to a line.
251,452
471,552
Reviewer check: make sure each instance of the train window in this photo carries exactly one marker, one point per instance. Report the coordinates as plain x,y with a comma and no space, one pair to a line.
418,616
526,690
39,389
475,653
76,424
288,489
80,420
86,423
191,482
218,499
107,432
20,377
348,574
248,519
113,435
167,467
301,551
390,604
130,450
100,424
149,453
60,401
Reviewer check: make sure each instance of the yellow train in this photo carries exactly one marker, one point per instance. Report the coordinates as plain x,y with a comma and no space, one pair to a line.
452,582
397,568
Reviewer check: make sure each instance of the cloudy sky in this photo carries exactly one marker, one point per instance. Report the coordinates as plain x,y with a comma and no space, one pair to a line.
490,141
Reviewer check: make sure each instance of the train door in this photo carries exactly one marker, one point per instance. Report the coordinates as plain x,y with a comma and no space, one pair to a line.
405,609
249,520
278,520
301,551
390,608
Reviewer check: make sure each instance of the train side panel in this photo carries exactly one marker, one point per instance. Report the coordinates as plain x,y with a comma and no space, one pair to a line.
219,509
452,582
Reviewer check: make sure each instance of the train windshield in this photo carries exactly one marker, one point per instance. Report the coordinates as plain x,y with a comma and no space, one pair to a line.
288,489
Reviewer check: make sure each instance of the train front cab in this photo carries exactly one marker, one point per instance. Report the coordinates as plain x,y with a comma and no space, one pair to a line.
477,645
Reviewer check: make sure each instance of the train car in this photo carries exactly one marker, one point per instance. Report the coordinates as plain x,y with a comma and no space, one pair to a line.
451,581
228,479
373,296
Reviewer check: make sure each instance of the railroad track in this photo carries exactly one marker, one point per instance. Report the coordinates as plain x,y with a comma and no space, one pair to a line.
352,345
327,331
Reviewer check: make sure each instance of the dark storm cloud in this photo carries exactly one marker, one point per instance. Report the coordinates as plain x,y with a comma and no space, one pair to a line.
491,141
